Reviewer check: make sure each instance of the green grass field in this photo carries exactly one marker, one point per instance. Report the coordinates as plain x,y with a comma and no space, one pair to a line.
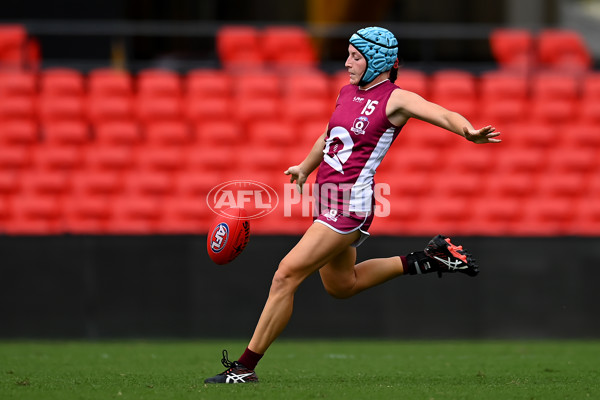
303,370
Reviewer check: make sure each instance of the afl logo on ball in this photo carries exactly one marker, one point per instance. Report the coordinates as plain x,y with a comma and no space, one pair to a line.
219,237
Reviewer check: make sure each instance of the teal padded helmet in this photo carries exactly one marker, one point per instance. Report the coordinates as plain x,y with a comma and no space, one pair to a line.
379,47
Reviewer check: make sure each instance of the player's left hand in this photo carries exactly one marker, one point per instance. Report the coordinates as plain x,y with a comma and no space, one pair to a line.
486,134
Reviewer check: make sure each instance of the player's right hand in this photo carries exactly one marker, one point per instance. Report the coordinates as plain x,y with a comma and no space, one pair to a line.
297,174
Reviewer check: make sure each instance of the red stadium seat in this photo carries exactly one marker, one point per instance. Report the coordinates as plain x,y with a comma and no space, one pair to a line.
504,111
62,82
203,109
251,110
590,86
337,81
513,48
14,156
74,132
533,134
109,82
277,133
420,134
307,132
426,159
564,49
225,133
262,158
102,109
109,157
573,159
55,108
134,214
444,214
205,82
35,215
510,184
18,83
195,184
168,133
94,182
561,184
469,157
159,157
495,215
414,184
308,109
453,85
152,109
414,81
288,47
258,84
553,111
44,181
589,112
554,85
13,41
86,214
499,85
158,83
587,217
205,159
457,183
306,85
18,132
185,215
57,156
544,216
147,182
521,159
118,133
404,215
582,135
5,213
17,107
238,46
9,182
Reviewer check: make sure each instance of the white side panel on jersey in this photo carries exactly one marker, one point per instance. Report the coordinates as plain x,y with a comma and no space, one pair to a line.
361,195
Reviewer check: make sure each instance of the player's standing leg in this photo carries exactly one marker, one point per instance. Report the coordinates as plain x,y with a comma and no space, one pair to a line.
317,247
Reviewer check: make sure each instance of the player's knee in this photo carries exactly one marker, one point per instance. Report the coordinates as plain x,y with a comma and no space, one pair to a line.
285,279
338,291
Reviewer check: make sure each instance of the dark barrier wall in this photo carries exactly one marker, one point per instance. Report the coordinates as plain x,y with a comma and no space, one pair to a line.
106,287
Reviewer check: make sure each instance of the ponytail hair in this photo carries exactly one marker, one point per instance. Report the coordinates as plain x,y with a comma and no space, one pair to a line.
394,71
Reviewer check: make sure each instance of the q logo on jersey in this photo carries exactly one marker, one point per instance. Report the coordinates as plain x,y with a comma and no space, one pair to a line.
360,124
219,237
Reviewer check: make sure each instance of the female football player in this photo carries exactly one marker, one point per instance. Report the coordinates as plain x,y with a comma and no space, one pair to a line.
369,114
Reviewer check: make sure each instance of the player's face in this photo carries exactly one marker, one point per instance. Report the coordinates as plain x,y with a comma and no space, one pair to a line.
356,65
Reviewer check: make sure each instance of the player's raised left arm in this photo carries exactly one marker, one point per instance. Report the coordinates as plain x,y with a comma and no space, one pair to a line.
404,105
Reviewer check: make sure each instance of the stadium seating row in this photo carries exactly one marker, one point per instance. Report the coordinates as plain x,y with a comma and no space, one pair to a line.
496,96
246,46
522,50
142,208
460,203
308,83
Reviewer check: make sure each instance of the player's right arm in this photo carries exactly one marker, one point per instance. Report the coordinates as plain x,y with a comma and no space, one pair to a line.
300,172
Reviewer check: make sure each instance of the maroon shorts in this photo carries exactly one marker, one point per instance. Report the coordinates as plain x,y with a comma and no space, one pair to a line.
347,223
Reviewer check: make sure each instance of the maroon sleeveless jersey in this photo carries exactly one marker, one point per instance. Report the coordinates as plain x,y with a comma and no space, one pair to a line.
358,137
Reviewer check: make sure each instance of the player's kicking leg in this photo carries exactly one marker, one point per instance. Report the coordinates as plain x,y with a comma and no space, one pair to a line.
441,256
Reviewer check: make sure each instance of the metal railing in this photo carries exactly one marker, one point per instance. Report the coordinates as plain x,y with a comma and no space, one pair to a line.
120,35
